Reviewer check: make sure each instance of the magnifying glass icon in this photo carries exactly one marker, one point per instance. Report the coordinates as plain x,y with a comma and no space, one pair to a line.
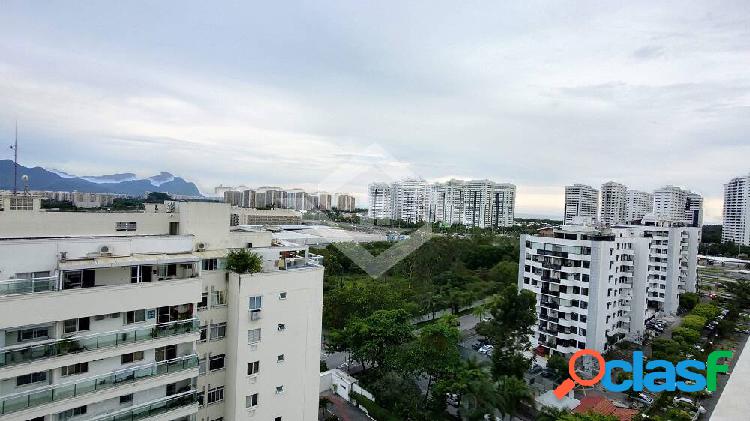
568,385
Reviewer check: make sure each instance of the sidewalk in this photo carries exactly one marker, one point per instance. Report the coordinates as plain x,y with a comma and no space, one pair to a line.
343,409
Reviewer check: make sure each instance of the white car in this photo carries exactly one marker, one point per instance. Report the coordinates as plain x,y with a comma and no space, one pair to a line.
683,399
486,349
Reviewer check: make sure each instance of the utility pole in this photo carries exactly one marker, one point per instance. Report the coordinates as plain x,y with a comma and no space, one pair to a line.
15,162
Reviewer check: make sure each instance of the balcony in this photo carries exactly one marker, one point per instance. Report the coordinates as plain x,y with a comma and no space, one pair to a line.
28,286
55,393
153,409
76,344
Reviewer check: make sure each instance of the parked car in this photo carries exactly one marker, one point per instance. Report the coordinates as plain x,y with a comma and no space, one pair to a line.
684,400
642,397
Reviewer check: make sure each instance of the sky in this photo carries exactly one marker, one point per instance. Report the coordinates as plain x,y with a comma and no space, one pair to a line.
539,94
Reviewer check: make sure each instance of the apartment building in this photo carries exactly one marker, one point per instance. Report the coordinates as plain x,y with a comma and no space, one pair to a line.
614,203
447,202
380,197
674,204
595,286
325,201
251,216
581,204
736,227
233,197
639,203
133,315
346,202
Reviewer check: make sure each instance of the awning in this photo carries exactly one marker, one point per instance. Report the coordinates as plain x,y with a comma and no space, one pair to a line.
120,261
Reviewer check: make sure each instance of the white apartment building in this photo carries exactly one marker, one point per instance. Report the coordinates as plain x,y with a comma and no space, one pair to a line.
346,202
447,202
639,203
581,204
614,203
674,204
736,227
410,200
380,196
694,210
595,286
132,315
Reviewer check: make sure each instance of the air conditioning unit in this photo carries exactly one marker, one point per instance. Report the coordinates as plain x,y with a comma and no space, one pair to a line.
200,246
63,256
104,251
255,314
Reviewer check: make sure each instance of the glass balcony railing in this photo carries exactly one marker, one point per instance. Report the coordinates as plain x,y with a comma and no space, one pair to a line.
54,393
27,286
19,355
152,409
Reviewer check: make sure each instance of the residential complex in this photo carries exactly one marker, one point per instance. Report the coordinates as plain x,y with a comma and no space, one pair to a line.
736,226
597,285
133,315
675,204
639,204
581,204
277,198
614,203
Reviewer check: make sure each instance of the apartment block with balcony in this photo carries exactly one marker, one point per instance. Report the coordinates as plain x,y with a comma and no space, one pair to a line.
581,204
134,315
614,203
736,227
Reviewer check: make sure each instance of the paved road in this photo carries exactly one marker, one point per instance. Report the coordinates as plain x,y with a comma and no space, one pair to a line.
721,381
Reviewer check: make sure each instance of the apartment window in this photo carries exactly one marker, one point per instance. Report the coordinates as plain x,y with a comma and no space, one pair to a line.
277,419
256,303
204,333
166,353
279,389
125,226
219,298
281,327
135,316
31,334
70,413
126,399
204,301
280,358
74,369
131,357
216,362
210,264
218,331
251,401
202,366
31,378
215,395
282,295
253,368
74,325
21,203
253,336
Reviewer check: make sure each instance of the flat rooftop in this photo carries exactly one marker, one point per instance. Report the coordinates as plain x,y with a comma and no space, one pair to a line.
733,403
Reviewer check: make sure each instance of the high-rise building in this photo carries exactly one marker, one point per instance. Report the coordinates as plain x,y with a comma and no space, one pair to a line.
233,197
447,202
248,198
581,204
674,204
134,315
639,203
380,196
614,203
694,210
410,200
736,227
346,202
325,201
595,286
503,205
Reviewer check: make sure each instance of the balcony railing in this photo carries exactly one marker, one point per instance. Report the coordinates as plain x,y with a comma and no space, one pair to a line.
152,409
19,355
54,393
28,286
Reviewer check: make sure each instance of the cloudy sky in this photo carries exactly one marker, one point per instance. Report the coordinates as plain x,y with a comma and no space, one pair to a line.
538,94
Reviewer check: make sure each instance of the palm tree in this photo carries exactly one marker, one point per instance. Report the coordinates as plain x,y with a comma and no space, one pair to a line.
479,311
512,392
478,396
549,413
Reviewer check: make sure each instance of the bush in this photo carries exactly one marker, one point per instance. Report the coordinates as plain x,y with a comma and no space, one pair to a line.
243,261
709,311
688,300
685,335
375,411
694,322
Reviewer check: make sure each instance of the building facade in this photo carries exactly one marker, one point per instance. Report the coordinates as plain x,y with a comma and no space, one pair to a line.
639,203
133,315
736,227
614,203
581,204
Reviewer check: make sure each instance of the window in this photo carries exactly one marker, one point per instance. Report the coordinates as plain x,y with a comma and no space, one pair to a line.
280,358
277,419
21,203
131,357
219,298
204,333
253,368
281,327
251,401
31,378
126,399
282,295
74,325
135,316
33,333
210,264
125,226
253,336
215,395
279,389
216,362
204,301
256,303
165,353
74,369
202,366
218,331
70,413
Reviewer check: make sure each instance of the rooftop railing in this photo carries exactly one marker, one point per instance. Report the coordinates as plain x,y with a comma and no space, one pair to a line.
54,393
18,355
28,286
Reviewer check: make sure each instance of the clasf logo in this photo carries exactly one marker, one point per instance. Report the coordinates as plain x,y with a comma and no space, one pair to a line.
655,376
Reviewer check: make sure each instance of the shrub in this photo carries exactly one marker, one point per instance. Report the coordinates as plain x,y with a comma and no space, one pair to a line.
707,310
694,322
243,261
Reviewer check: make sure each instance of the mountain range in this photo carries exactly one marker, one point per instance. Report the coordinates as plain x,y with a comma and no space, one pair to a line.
123,183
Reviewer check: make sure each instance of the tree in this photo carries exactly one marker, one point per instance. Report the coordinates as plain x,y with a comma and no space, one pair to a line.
685,335
707,310
741,291
590,416
666,349
157,197
512,393
513,314
436,350
688,300
243,261
548,413
474,387
694,322
375,339
559,367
